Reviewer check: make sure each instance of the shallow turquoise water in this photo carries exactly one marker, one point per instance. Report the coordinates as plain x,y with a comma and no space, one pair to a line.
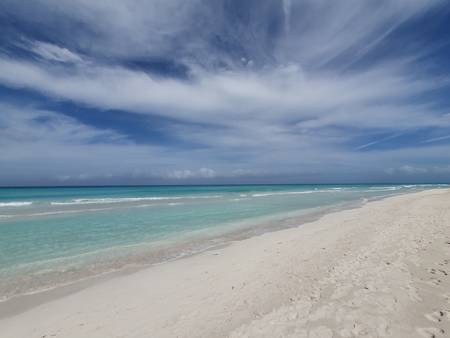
56,235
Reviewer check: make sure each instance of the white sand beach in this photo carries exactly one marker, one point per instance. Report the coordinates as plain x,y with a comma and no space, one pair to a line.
376,271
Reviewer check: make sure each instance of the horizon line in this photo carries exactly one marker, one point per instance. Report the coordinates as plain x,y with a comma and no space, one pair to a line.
213,185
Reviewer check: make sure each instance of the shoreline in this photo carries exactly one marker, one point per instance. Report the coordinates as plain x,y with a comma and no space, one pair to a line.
22,302
253,258
16,304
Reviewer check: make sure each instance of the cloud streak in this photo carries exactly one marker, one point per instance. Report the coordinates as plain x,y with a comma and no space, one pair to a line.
262,87
281,94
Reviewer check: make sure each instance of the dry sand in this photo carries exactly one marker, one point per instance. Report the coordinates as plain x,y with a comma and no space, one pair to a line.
377,271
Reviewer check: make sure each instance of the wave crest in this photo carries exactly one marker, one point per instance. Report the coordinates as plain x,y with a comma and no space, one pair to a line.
15,204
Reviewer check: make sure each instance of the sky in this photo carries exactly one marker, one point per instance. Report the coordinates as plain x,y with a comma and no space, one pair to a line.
112,92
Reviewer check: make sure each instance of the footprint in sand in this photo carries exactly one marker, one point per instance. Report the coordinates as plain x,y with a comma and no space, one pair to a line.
443,272
436,316
434,281
444,262
431,332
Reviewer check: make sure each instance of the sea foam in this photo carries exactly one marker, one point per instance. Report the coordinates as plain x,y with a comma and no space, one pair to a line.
15,204
130,199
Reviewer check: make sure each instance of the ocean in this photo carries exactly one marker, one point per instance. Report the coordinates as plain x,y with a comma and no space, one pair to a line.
55,236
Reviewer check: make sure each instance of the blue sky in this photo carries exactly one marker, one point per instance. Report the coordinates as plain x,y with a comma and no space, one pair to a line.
224,91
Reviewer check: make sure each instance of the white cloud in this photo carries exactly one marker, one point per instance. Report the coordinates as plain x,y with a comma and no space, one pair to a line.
436,139
373,98
290,87
414,170
325,30
181,174
407,169
53,52
381,140
284,102
188,174
207,172
30,125
197,31
287,15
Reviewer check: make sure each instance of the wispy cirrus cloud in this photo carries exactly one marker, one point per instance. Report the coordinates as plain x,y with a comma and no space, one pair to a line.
53,52
436,139
288,86
31,125
284,93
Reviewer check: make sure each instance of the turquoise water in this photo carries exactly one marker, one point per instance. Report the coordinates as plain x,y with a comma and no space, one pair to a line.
51,236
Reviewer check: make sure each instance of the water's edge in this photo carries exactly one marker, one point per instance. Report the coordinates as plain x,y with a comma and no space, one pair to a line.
23,302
